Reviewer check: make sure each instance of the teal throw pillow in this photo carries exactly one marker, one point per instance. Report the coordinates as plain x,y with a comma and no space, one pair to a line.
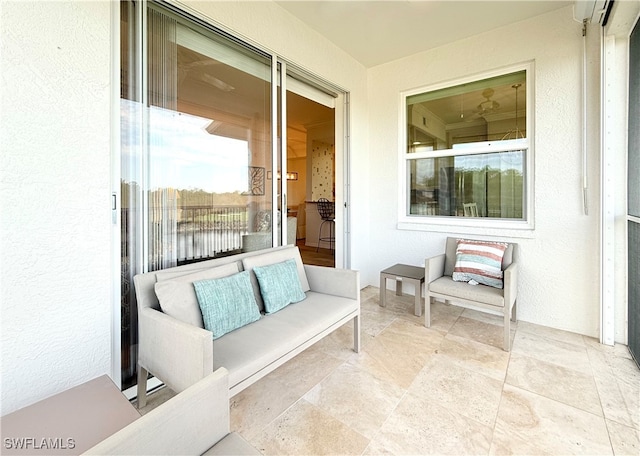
279,285
227,303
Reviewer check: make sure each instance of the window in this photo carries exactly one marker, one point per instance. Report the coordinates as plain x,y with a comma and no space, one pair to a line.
467,154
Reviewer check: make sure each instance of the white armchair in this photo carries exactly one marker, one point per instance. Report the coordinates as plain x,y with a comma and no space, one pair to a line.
440,284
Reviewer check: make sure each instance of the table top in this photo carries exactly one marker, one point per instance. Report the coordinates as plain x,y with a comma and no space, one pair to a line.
405,270
70,422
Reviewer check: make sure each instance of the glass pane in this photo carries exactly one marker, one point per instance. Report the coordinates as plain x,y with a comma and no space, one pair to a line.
482,185
487,110
130,196
633,161
209,146
194,156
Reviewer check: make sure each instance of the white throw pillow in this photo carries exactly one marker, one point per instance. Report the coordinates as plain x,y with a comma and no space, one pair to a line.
177,297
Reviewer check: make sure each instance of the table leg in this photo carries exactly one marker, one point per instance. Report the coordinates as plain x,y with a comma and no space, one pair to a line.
418,309
398,287
383,289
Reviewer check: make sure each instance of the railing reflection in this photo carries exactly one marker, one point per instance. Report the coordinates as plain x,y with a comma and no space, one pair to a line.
206,231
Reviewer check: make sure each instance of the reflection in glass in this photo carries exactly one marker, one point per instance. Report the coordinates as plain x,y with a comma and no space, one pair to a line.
487,185
487,110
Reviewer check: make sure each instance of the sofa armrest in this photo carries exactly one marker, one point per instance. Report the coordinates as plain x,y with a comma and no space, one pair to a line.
188,423
434,268
333,281
177,353
510,279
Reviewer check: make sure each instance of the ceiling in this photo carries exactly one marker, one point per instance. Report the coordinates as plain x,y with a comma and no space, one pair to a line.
376,32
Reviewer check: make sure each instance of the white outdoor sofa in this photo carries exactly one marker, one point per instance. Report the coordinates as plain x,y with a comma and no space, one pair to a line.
180,354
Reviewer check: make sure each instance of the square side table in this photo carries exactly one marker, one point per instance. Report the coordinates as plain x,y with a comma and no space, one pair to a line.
70,422
399,273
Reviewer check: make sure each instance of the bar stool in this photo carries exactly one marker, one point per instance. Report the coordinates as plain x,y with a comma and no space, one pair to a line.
327,210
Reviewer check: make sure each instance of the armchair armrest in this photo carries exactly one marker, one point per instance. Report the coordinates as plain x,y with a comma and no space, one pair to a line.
434,268
332,281
177,353
510,279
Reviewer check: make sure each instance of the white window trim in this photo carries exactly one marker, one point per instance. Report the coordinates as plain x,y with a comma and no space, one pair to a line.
466,225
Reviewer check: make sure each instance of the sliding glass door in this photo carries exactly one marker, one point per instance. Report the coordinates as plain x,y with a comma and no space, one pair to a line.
633,224
196,150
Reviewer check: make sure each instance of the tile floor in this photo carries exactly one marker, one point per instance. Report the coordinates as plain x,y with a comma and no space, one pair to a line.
448,389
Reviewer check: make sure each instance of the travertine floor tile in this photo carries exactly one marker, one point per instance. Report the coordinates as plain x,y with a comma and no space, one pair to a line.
484,359
403,349
444,316
551,333
552,426
625,439
305,429
420,426
620,398
255,407
466,392
552,351
555,382
480,331
364,408
505,443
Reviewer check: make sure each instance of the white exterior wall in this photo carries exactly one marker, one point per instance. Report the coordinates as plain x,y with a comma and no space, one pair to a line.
559,281
55,243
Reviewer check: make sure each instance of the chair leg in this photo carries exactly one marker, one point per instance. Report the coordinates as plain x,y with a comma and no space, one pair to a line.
142,387
513,312
427,310
356,334
507,330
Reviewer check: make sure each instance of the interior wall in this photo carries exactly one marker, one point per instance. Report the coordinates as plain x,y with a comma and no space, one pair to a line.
559,285
55,244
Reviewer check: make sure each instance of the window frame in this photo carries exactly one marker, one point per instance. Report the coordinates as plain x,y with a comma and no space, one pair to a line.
468,224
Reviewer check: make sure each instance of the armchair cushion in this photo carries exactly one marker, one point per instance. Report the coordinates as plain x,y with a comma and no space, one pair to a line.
479,261
445,286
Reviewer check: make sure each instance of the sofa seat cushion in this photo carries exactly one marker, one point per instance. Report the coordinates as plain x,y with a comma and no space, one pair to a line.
478,293
249,349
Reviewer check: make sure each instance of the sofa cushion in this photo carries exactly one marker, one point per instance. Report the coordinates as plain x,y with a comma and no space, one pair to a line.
227,303
447,287
279,285
251,348
479,261
271,257
177,296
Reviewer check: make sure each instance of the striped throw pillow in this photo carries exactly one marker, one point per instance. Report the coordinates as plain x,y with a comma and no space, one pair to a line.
480,261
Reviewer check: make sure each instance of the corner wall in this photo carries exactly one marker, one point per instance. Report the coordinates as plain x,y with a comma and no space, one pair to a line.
55,247
559,279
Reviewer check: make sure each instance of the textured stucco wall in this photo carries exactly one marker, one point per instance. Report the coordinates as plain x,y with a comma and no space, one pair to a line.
559,284
54,206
